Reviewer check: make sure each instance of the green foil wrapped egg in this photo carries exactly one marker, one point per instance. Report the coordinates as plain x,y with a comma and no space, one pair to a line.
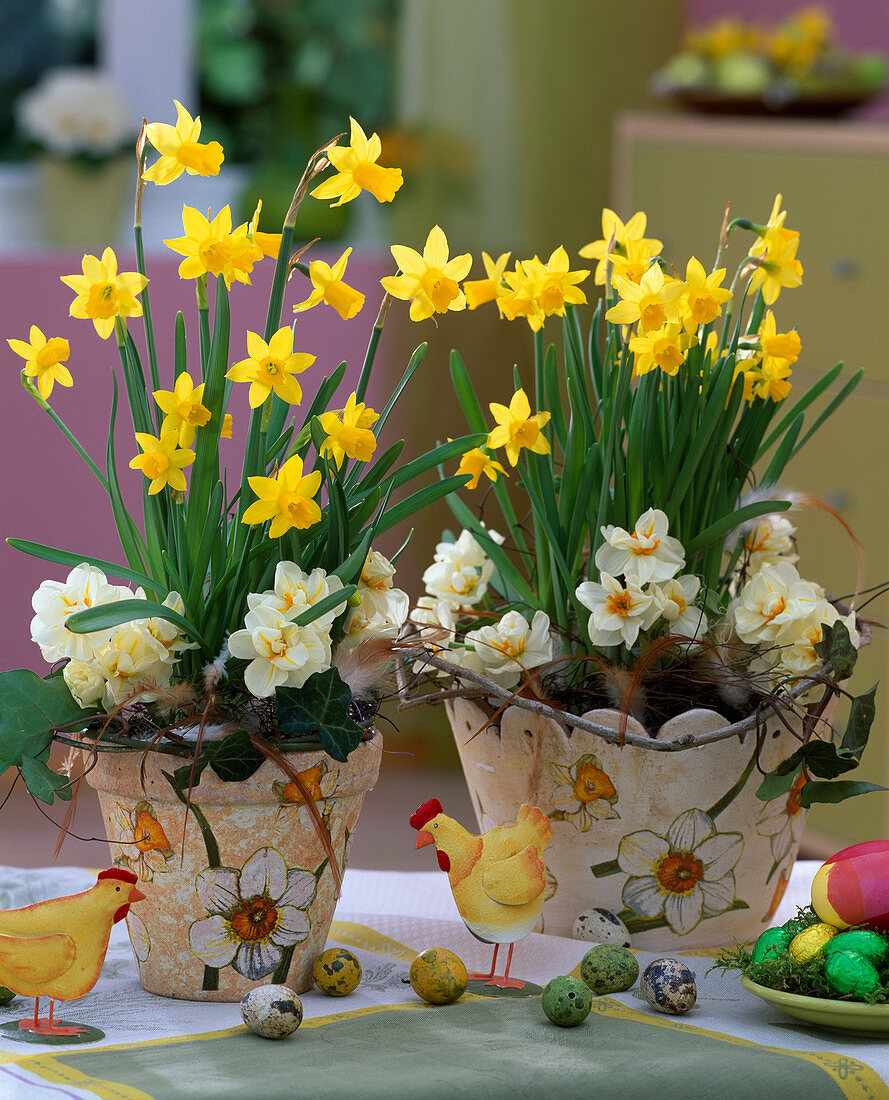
337,972
567,1001
848,972
772,943
863,942
609,969
438,976
809,943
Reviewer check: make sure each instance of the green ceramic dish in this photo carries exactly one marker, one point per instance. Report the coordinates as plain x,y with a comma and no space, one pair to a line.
853,1017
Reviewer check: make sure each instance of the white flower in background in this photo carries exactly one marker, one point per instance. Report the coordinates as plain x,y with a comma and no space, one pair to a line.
437,629
797,655
685,875
76,110
618,613
55,601
460,571
254,913
375,584
85,682
769,541
675,601
381,614
648,554
281,654
295,591
504,651
772,605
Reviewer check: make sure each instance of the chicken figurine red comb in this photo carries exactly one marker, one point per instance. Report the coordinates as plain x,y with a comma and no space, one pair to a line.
498,879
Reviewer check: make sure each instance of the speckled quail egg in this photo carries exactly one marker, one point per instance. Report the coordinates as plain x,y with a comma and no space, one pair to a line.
601,926
272,1011
609,968
668,985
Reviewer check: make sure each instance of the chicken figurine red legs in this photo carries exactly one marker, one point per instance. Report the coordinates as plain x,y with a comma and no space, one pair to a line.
56,948
498,879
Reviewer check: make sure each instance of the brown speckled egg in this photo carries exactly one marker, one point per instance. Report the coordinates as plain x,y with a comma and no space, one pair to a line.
601,926
337,972
272,1011
668,985
438,976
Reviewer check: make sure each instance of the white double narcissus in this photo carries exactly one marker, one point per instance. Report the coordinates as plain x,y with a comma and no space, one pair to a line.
769,541
675,603
382,610
506,650
295,591
648,554
618,613
771,606
437,629
281,653
460,572
55,601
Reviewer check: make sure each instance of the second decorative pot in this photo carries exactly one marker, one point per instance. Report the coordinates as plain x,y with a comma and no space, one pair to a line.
239,890
676,843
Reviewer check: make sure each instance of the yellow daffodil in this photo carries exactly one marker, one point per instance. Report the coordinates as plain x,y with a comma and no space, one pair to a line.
270,368
162,460
652,302
349,434
703,295
553,286
180,151
778,266
43,360
212,248
663,348
429,282
519,300
517,428
286,500
474,463
479,291
766,378
330,288
778,345
634,261
357,170
183,408
227,424
103,293
268,243
612,226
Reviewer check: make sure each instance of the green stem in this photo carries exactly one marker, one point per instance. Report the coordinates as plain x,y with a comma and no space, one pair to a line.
31,389
148,325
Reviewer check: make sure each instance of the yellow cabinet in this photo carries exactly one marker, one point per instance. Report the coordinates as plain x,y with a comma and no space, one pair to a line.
682,171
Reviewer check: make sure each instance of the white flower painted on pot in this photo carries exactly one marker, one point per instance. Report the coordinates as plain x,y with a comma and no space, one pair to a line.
510,647
779,818
254,914
648,554
143,844
320,781
140,940
618,613
684,876
586,794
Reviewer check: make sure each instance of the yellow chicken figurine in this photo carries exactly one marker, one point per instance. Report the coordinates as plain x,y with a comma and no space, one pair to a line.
498,879
56,948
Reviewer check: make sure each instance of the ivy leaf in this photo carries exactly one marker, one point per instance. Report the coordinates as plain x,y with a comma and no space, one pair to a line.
775,784
235,757
861,717
320,707
838,791
30,709
836,646
43,782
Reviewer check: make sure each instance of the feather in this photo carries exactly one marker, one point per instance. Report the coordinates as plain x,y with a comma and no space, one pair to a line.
367,665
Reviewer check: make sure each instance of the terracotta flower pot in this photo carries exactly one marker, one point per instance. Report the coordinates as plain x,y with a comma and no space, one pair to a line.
676,843
239,890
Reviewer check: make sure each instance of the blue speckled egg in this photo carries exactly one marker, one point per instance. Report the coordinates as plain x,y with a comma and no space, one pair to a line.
601,926
566,1001
272,1011
669,986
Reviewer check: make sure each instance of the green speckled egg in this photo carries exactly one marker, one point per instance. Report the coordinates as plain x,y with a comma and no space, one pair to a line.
772,943
337,972
567,1001
849,972
809,943
609,968
438,976
863,942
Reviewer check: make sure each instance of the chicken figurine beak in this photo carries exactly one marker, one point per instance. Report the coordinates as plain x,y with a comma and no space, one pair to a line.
424,839
136,895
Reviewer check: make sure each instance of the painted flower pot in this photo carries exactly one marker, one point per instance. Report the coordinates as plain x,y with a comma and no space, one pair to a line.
239,890
676,843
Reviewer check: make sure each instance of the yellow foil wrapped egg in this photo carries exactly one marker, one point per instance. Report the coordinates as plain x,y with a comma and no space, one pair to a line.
809,943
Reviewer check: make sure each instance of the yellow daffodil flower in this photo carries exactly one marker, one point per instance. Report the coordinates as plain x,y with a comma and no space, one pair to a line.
663,348
474,463
652,302
634,261
766,378
429,282
778,345
553,285
479,291
703,295
517,428
778,266
227,424
330,288
519,300
285,500
212,248
180,151
183,408
43,360
612,226
271,367
268,243
162,460
357,170
103,293
350,433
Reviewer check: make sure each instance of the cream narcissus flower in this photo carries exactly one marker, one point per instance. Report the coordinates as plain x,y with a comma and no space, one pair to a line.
271,367
330,288
357,170
43,360
769,541
429,282
618,612
648,554
281,653
180,151
54,601
796,655
162,460
459,573
652,302
183,408
212,248
103,293
489,289
512,646
517,428
295,591
474,463
553,286
663,348
350,432
437,628
675,600
132,665
381,614
703,296
612,226
286,500
772,604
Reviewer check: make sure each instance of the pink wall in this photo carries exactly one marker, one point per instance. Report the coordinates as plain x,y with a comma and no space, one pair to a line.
860,25
46,492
